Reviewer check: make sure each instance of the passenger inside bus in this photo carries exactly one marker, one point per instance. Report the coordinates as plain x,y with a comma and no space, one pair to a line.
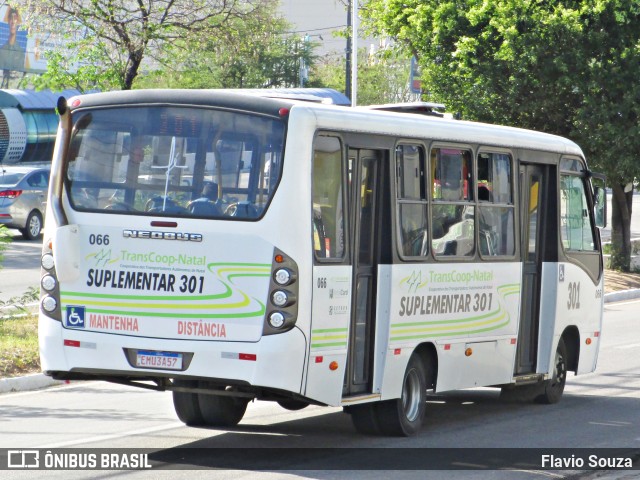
206,205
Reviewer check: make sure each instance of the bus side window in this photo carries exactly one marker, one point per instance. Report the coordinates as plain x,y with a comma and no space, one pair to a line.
328,218
453,214
496,234
412,200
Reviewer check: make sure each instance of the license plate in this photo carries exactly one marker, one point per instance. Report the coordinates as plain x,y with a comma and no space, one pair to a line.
159,360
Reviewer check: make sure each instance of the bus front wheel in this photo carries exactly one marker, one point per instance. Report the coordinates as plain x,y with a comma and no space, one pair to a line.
404,416
554,387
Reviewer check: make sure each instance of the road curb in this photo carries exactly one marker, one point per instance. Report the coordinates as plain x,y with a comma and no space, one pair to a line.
622,295
26,383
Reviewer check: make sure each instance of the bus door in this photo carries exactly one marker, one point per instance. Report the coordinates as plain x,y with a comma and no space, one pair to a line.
533,192
364,197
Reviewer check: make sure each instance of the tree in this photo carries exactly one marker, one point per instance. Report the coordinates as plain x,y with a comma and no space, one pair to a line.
568,67
255,52
382,77
121,33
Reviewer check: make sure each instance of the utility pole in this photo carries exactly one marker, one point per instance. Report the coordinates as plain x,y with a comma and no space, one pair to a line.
347,75
354,54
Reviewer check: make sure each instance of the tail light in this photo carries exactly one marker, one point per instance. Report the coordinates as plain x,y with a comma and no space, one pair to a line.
10,193
282,308
49,287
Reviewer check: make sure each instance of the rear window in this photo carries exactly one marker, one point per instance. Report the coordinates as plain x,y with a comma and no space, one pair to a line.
8,179
174,161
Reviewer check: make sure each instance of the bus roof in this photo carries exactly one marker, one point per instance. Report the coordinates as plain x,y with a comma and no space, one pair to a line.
213,97
363,120
410,125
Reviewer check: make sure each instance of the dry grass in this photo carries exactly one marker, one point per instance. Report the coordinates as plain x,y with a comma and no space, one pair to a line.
19,345
616,281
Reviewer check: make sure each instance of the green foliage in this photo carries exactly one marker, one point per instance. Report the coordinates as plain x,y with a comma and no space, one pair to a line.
382,77
568,67
114,38
93,67
5,240
19,304
253,52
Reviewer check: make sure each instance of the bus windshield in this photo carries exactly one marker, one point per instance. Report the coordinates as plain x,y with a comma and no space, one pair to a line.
174,161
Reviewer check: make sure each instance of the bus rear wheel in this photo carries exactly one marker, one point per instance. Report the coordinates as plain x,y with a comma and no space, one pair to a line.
404,416
221,411
186,404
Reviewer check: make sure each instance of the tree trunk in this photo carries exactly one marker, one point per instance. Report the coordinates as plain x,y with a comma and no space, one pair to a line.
135,59
621,204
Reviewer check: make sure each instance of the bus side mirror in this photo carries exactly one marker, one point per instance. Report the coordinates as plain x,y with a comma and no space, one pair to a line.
599,200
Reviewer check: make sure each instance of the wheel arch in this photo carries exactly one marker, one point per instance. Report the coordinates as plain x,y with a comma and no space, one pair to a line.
429,356
571,337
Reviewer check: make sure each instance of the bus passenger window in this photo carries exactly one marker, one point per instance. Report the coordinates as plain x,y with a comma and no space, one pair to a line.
453,230
496,234
451,174
328,218
452,213
412,200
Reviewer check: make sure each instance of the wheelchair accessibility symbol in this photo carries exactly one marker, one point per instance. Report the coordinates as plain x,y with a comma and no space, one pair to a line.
75,316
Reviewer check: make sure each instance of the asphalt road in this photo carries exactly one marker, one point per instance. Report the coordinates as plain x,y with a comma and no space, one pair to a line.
21,267
599,410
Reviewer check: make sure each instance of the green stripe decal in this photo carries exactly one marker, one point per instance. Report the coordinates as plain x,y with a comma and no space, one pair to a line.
329,337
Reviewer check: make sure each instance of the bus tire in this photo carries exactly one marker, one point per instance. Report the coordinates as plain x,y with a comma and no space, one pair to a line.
221,411
186,405
554,387
365,418
404,416
292,405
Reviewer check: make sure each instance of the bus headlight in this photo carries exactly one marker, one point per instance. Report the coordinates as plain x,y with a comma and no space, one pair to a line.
49,304
276,320
280,298
48,283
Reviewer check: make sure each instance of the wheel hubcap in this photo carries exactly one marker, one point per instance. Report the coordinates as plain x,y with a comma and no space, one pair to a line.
411,395
34,225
